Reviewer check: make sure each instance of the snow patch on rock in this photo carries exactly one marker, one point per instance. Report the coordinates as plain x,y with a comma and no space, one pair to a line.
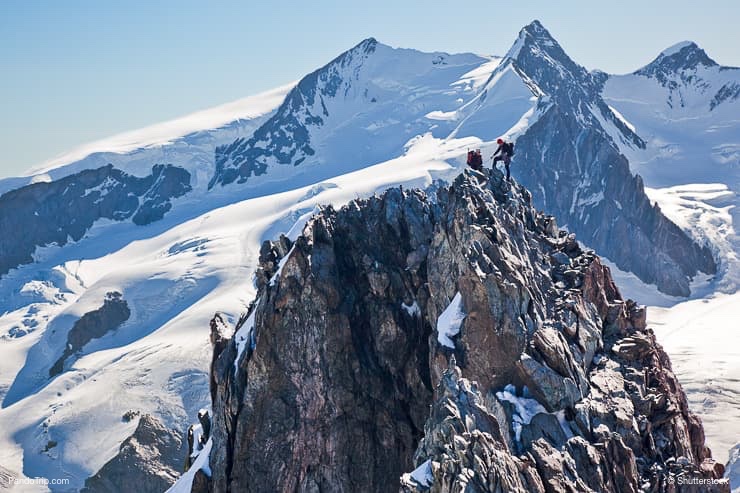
450,321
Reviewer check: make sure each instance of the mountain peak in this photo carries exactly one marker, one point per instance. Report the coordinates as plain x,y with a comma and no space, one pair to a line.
685,55
533,33
540,56
368,44
535,28
690,53
676,48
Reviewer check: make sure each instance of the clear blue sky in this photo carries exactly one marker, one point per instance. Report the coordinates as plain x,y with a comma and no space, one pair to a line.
75,71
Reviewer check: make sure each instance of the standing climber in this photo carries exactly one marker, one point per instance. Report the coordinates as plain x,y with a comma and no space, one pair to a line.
503,153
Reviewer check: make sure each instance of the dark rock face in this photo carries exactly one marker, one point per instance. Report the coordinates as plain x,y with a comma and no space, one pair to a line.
149,461
728,92
54,212
541,60
327,382
575,171
610,209
356,383
93,325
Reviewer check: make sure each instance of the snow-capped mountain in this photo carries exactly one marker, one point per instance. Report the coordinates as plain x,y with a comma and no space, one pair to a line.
359,109
64,210
364,106
188,142
685,106
175,224
688,74
586,183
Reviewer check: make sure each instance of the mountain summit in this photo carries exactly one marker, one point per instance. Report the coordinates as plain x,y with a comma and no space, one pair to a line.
540,56
685,55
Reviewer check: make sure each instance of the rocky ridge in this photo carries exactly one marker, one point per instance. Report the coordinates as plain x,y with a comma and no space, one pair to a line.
327,382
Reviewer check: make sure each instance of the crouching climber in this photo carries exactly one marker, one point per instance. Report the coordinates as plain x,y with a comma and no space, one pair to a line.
475,160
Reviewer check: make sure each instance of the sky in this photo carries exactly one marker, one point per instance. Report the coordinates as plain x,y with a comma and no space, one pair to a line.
76,71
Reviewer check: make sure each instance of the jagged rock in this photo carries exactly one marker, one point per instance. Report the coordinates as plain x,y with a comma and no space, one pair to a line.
332,391
551,389
151,459
556,353
465,448
590,463
543,425
205,423
220,341
560,258
270,254
198,436
633,347
558,470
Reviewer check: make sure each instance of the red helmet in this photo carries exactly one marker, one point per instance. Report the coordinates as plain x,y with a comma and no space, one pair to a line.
499,141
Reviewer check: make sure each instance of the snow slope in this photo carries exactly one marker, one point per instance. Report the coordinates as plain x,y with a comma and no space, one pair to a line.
701,337
188,142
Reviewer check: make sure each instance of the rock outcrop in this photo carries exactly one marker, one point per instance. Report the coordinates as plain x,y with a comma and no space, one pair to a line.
93,325
381,308
149,461
63,210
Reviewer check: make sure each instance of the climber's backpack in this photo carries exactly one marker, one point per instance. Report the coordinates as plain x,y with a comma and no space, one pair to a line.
511,148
